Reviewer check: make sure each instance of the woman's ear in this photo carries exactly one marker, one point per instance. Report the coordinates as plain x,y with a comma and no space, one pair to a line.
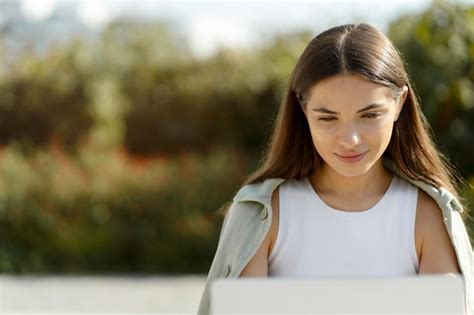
404,93
401,100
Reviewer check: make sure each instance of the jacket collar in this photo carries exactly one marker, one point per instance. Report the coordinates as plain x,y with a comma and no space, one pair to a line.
261,192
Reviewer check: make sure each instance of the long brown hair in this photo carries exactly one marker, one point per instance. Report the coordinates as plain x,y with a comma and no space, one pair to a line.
355,49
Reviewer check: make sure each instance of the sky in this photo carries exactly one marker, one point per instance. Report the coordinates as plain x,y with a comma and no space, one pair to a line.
210,24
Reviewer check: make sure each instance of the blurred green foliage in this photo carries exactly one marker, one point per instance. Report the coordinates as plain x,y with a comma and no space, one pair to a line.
44,100
117,151
105,211
439,48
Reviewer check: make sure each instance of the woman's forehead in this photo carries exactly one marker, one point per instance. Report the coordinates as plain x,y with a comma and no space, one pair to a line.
347,89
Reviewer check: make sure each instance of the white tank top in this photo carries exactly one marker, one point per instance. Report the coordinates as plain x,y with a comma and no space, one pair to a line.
315,240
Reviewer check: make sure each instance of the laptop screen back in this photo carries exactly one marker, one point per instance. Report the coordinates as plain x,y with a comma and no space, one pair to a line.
434,294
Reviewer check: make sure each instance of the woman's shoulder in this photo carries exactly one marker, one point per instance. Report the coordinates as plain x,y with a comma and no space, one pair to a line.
428,209
429,213
438,254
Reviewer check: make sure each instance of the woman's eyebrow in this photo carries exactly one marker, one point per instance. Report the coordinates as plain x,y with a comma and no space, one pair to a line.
366,108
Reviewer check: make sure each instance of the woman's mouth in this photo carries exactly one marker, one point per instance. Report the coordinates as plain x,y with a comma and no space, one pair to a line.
351,158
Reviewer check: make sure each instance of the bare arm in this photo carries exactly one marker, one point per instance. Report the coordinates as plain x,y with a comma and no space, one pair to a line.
437,255
258,265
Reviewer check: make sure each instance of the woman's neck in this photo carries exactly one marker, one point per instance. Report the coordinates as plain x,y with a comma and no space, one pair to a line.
373,182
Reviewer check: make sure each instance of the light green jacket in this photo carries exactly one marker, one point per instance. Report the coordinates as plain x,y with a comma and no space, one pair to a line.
249,218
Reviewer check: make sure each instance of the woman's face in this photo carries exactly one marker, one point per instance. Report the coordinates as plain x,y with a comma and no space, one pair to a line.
351,121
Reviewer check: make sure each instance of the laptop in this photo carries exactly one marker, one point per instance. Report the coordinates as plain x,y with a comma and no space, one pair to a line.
427,293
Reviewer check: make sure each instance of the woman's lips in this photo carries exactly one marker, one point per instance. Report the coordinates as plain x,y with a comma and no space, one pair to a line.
351,158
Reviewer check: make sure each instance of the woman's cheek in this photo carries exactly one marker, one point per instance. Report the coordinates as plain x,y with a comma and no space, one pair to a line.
373,127
323,129
377,125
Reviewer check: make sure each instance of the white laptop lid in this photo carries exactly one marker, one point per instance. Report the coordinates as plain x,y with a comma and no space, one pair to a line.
428,293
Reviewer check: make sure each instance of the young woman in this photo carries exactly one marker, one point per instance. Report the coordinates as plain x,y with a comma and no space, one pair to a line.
351,183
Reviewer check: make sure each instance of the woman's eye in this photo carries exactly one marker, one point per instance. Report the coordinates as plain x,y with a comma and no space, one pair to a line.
326,118
367,115
371,115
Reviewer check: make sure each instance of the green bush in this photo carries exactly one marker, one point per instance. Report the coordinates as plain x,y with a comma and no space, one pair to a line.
44,100
109,212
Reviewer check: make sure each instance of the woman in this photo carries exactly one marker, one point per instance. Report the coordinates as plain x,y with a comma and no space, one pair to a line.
351,183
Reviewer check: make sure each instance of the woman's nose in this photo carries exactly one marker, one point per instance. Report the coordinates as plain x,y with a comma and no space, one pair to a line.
349,137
